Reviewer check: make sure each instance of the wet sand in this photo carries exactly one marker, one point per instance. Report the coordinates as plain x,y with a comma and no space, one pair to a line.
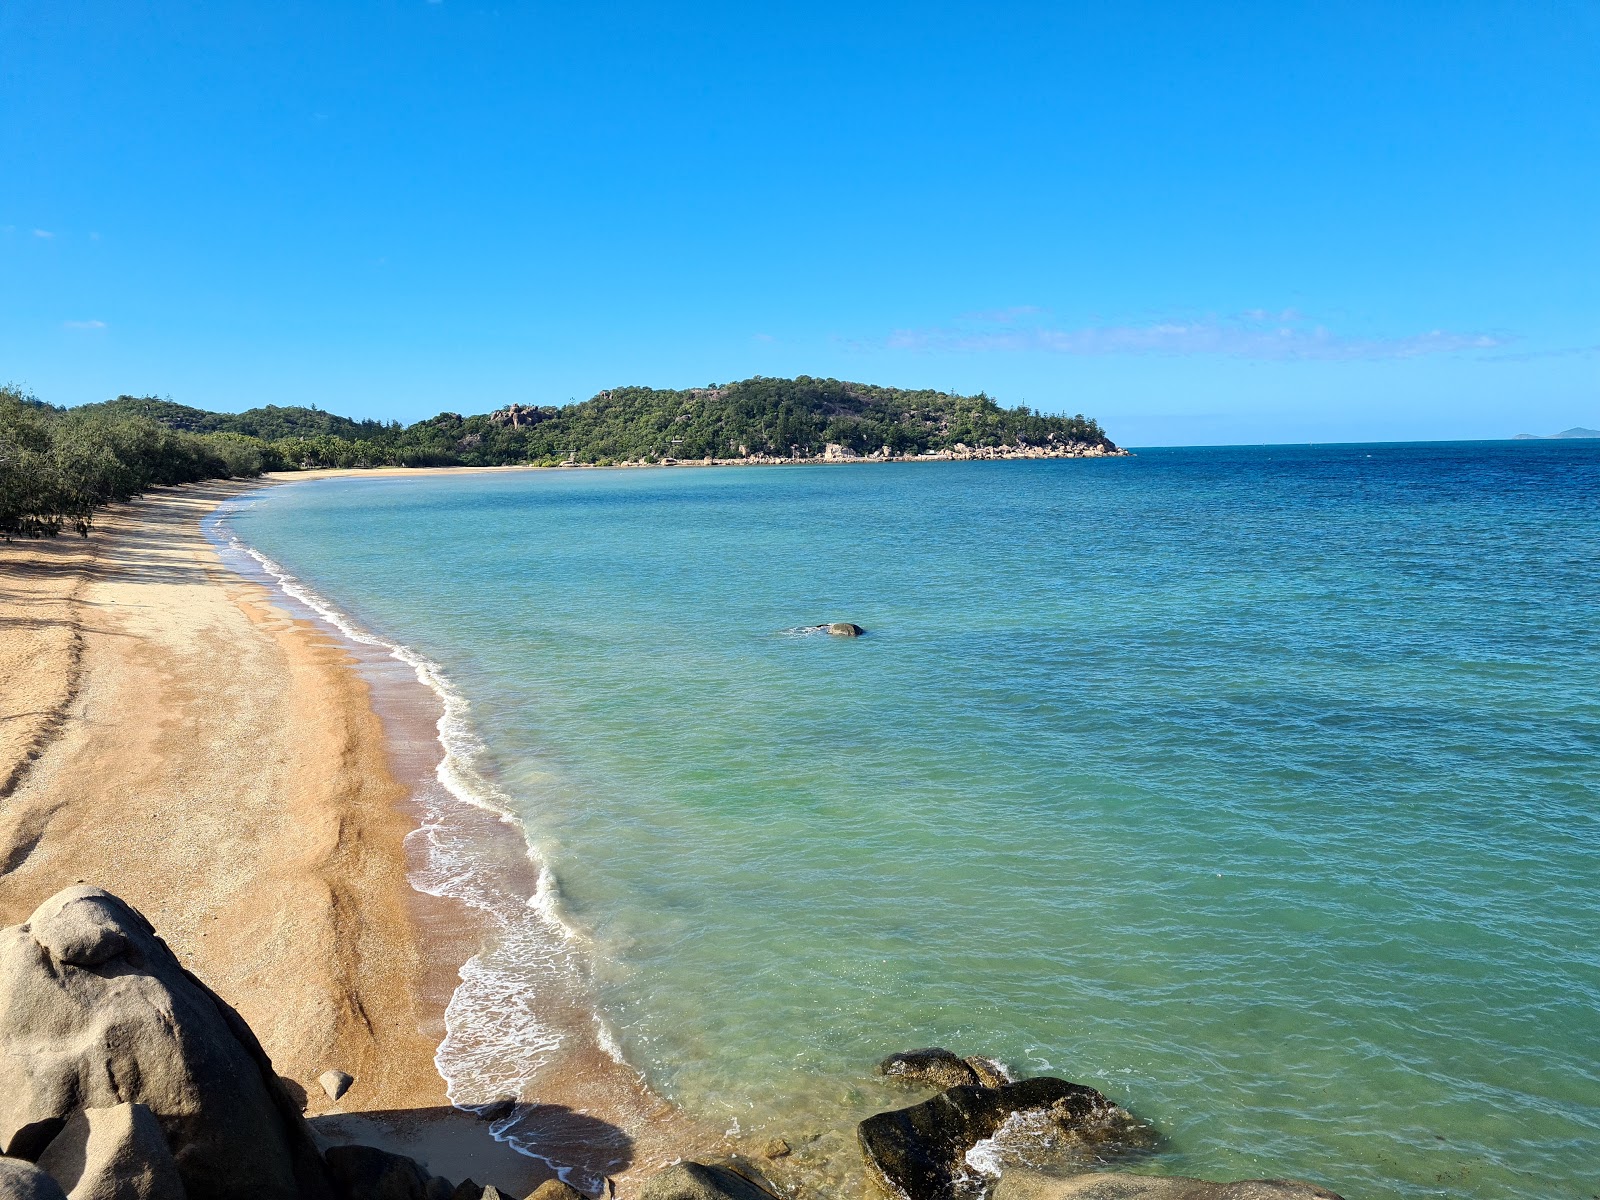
171,731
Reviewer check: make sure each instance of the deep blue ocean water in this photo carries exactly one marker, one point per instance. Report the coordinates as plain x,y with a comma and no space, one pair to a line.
1258,787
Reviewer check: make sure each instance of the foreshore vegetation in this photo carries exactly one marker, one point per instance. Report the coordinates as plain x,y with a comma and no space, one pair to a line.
58,465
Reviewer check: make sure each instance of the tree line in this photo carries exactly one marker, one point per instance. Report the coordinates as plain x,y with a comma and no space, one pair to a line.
58,465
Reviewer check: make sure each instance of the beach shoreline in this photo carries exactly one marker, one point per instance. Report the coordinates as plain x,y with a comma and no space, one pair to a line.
176,732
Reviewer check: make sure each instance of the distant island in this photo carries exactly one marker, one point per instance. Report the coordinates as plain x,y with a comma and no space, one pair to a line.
71,461
1577,431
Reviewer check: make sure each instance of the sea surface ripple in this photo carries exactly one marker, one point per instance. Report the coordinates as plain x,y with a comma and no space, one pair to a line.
1258,787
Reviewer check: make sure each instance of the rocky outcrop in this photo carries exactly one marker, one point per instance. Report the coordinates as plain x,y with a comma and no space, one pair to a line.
991,1072
726,1179
96,1013
932,1065
116,1153
556,1189
367,1173
845,629
20,1180
920,1153
1113,1186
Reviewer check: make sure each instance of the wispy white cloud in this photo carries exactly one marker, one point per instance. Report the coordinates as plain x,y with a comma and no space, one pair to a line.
1535,355
83,324
762,337
1256,334
43,233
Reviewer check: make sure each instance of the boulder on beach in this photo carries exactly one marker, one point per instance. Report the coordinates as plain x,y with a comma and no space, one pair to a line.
725,1179
844,629
921,1152
96,1013
368,1173
1020,1185
20,1180
932,1065
116,1153
556,1189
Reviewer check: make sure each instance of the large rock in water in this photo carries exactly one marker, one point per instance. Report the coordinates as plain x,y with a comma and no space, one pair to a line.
934,1065
920,1153
1110,1186
96,1013
728,1179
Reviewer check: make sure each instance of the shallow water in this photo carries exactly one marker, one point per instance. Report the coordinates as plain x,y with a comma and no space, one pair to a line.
1256,787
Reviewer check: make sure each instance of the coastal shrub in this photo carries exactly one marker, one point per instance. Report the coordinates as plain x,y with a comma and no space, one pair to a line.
57,466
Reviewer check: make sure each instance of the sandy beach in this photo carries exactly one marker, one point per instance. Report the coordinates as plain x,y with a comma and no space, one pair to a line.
169,732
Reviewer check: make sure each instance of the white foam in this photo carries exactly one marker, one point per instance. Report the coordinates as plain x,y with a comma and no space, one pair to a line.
495,1038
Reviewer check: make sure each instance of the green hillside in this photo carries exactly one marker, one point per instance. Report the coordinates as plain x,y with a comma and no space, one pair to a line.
58,465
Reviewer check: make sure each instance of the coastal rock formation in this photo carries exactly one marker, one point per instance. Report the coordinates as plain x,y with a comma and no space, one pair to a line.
933,1065
21,1180
845,629
367,1173
991,1072
726,1179
1110,1186
116,1153
556,1189
97,1013
920,1152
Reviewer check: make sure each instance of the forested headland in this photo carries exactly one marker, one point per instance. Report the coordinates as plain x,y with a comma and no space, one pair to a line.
58,465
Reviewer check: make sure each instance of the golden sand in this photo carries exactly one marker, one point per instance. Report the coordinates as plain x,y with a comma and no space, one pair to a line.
169,733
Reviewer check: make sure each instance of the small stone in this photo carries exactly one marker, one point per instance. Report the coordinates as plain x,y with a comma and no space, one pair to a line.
496,1110
777,1148
335,1083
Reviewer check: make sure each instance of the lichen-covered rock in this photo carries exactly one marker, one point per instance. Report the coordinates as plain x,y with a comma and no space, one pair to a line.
726,1179
933,1065
920,1153
116,1153
1117,1186
97,1012
21,1180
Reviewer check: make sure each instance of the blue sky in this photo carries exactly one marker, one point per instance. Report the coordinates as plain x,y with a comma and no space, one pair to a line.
1200,223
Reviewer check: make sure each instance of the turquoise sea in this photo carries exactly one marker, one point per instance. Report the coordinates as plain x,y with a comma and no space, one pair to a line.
1257,787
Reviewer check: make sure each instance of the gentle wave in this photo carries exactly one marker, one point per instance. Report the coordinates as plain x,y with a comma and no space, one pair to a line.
495,1038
